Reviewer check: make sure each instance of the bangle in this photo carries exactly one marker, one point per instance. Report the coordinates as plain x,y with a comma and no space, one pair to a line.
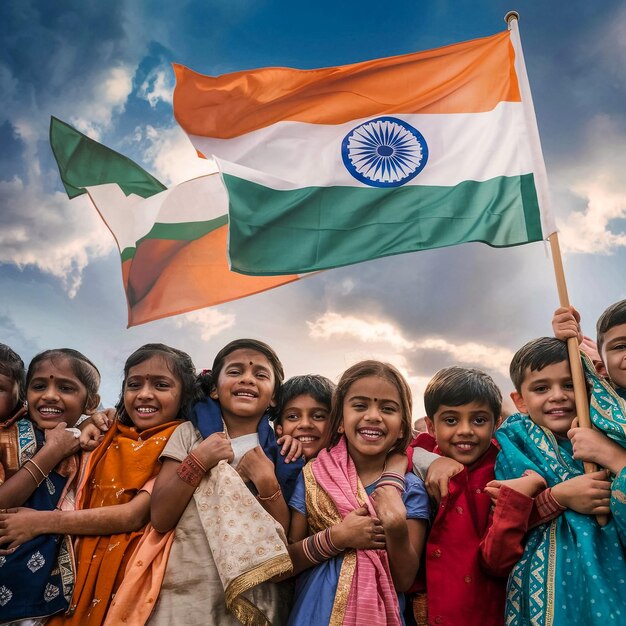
191,471
43,476
37,482
392,479
271,498
197,461
320,547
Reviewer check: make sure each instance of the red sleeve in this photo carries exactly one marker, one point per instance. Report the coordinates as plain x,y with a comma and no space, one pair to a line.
502,546
545,509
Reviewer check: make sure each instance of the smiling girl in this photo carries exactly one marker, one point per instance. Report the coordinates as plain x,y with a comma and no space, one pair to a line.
41,464
221,489
369,525
159,390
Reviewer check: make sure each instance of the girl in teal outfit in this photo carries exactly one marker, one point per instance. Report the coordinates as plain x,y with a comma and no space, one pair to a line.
573,570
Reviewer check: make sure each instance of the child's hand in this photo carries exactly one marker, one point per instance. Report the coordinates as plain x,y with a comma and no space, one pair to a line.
359,531
213,449
440,472
90,437
588,494
566,324
63,441
103,420
292,448
256,468
591,445
390,509
529,485
17,526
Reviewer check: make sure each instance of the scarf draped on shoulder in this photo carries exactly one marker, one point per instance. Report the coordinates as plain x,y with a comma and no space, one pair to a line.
365,586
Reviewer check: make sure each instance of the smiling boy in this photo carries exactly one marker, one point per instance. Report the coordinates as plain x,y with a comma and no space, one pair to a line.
471,547
302,411
569,561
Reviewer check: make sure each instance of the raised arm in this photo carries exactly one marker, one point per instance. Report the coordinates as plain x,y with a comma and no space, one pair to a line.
177,480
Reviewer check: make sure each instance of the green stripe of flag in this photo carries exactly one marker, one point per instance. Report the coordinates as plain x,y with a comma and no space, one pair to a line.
84,162
183,231
295,231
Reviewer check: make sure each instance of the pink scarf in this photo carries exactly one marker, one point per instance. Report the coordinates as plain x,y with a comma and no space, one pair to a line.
372,598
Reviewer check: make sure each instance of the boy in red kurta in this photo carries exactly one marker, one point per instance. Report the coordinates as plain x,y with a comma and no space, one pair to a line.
472,544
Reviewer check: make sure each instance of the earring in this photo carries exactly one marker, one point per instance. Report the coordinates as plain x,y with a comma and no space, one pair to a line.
340,429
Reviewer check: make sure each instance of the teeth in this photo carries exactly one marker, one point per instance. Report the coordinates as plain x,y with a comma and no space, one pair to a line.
305,439
365,432
50,410
464,446
245,395
146,409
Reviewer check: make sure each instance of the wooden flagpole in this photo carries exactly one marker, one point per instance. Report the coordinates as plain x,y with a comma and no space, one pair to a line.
578,377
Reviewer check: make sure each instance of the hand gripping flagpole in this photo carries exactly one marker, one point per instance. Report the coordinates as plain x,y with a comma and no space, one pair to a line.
578,377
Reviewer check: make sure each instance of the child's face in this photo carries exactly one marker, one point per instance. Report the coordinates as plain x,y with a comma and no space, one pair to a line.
152,394
372,417
245,385
614,354
9,394
305,419
547,396
55,394
464,432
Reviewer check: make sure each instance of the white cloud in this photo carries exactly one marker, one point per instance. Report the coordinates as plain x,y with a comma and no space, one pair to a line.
372,330
108,97
367,330
209,322
598,178
50,232
171,155
158,87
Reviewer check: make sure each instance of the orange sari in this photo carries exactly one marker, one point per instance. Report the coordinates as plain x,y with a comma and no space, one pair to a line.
115,473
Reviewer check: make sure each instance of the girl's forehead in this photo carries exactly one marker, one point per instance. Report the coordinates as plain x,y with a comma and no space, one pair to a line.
59,366
248,357
375,387
156,365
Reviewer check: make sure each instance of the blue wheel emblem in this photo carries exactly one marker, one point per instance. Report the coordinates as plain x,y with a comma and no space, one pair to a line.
384,152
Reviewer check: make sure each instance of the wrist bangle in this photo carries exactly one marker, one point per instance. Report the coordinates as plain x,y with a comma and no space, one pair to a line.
271,498
191,471
37,482
392,479
43,476
320,547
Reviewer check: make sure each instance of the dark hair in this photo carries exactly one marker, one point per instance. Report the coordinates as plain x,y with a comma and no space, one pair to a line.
455,386
613,316
12,366
314,385
84,369
534,356
208,379
181,366
364,369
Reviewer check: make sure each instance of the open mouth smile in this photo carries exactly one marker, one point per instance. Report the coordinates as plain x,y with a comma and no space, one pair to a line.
371,434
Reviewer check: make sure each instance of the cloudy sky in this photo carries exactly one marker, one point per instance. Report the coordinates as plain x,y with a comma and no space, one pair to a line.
106,69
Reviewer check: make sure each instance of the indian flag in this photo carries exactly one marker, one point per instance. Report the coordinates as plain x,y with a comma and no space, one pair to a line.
172,241
339,165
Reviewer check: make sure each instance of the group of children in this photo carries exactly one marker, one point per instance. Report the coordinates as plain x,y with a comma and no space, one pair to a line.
236,498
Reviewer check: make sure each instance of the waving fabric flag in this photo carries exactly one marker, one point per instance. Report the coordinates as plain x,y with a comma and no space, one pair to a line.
172,241
339,165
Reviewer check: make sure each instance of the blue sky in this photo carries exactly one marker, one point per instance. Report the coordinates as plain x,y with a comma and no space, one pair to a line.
105,68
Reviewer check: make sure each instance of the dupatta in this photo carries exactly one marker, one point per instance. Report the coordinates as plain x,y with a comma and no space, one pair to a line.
115,473
365,587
